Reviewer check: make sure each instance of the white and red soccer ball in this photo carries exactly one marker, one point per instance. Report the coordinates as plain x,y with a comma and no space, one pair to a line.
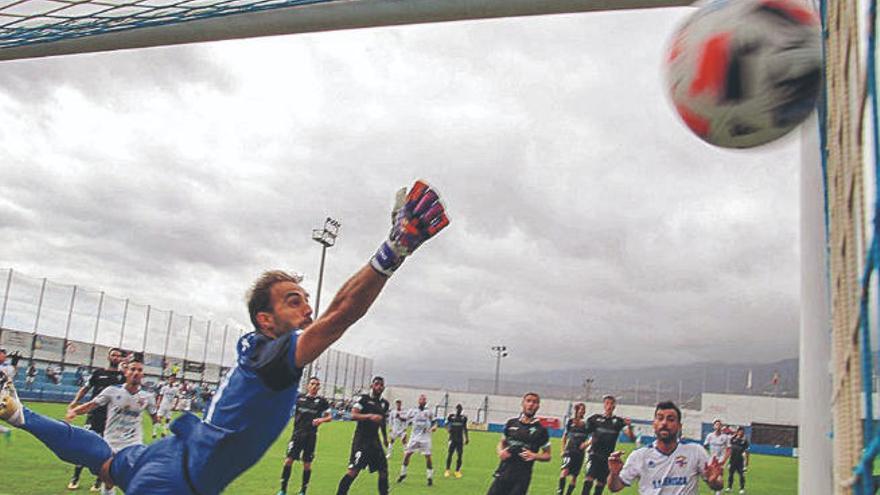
742,73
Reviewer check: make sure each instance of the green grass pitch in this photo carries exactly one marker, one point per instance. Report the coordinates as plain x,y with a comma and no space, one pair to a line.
28,468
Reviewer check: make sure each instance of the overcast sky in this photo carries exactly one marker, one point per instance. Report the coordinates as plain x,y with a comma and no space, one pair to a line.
589,227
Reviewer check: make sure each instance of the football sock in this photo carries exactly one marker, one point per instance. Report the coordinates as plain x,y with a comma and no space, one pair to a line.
285,477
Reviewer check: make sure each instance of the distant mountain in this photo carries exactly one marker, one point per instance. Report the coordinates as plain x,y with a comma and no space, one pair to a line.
683,383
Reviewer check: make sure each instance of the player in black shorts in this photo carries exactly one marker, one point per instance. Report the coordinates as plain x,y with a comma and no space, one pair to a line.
456,425
604,428
574,444
525,441
311,411
367,451
100,379
739,459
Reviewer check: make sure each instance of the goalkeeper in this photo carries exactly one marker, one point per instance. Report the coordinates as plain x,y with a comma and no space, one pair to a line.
254,403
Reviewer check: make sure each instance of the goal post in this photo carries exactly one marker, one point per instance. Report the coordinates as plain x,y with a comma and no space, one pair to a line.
62,27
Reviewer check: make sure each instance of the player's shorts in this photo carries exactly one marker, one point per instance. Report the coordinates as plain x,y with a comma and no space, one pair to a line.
737,466
574,462
510,485
420,444
370,455
96,421
156,469
456,446
598,469
164,412
302,447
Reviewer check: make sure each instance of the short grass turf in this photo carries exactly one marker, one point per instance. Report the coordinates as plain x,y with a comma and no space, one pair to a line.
28,468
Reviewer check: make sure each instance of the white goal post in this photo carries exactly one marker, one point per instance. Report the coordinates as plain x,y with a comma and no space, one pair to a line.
320,15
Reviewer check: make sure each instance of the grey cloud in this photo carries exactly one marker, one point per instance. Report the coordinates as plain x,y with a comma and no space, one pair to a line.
585,218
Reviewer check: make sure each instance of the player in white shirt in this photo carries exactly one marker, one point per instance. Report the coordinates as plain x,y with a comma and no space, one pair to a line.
9,363
668,467
718,444
399,423
166,397
423,425
125,404
8,369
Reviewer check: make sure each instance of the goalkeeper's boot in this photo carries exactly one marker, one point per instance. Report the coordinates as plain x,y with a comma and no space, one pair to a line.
10,405
458,474
446,474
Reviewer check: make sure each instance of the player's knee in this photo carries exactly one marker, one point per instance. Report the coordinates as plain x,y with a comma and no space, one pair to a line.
104,475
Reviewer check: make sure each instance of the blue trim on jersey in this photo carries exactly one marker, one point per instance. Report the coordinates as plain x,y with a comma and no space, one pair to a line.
256,403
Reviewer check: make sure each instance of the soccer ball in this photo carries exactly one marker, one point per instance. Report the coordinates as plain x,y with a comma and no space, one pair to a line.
742,73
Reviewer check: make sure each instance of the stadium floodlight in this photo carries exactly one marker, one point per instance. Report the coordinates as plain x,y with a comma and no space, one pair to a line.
500,352
588,387
327,238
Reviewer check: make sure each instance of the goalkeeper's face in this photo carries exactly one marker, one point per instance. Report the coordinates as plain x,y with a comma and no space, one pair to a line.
290,309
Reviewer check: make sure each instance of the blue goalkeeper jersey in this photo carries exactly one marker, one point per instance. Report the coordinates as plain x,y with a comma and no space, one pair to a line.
249,411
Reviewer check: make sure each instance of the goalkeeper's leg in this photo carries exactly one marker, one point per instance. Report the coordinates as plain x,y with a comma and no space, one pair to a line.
71,444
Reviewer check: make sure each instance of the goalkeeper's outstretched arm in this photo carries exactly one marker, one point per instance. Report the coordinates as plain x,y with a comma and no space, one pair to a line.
417,217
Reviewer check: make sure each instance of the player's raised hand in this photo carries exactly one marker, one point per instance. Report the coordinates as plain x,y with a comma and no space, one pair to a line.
714,470
417,216
615,463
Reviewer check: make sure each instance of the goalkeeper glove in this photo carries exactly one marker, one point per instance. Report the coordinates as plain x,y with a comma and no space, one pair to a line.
417,217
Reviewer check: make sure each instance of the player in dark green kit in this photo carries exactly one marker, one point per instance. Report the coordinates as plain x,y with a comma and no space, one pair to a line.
739,459
525,441
370,412
574,444
456,425
604,428
311,412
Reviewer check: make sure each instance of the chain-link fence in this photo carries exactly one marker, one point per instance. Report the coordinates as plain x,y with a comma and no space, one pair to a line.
48,322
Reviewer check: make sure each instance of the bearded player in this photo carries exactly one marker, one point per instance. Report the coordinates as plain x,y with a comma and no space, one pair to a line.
668,467
312,411
603,430
398,419
371,413
124,405
422,421
255,401
525,441
97,417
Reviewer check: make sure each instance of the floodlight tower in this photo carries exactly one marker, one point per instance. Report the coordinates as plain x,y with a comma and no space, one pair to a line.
588,387
500,352
327,238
